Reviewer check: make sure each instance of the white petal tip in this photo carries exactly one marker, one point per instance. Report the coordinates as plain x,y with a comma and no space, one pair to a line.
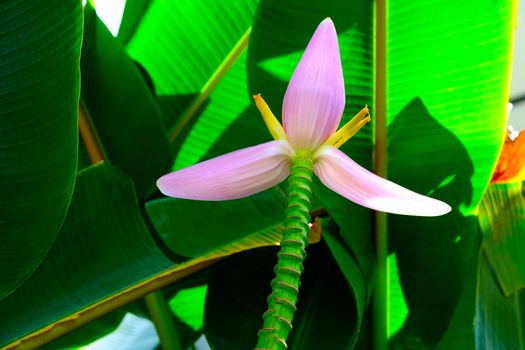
423,206
327,21
162,186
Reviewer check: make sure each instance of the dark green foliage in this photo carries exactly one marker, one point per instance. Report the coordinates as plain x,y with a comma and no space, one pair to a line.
39,87
122,108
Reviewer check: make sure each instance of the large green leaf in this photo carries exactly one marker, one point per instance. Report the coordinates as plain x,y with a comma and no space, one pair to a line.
39,88
447,90
191,228
102,249
183,43
125,114
103,257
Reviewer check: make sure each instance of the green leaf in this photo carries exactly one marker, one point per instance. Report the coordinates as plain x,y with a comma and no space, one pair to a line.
353,274
447,91
192,228
133,13
500,319
500,312
96,329
188,306
459,335
39,88
183,43
502,221
102,249
125,114
238,288
103,257
227,104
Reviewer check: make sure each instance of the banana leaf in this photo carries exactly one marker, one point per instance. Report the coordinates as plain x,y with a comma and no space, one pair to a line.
500,309
502,221
39,49
448,84
102,249
182,44
499,317
103,258
122,108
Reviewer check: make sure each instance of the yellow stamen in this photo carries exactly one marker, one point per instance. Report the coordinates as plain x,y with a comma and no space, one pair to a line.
272,123
346,132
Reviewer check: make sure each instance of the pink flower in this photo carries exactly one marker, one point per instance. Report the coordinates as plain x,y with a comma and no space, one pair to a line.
312,109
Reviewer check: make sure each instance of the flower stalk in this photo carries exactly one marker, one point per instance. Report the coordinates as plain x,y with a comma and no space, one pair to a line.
277,320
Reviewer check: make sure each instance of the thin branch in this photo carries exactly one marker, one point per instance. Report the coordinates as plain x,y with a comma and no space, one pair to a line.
380,302
88,136
160,315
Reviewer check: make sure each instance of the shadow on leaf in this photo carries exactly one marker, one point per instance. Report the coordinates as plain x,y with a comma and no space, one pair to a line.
434,255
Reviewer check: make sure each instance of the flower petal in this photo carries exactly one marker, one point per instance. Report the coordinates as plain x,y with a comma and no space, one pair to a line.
344,176
234,175
315,98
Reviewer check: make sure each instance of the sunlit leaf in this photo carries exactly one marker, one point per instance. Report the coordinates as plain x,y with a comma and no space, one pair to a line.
182,43
227,103
447,91
188,306
133,12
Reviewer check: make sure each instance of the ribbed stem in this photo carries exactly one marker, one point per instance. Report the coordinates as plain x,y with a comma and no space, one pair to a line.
285,286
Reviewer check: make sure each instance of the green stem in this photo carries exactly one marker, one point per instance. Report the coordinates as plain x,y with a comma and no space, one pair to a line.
380,303
161,317
277,320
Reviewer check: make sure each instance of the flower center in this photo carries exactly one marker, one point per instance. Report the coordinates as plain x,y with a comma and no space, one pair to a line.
335,140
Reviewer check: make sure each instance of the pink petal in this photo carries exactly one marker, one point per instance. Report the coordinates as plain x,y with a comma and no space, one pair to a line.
315,98
234,175
344,176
